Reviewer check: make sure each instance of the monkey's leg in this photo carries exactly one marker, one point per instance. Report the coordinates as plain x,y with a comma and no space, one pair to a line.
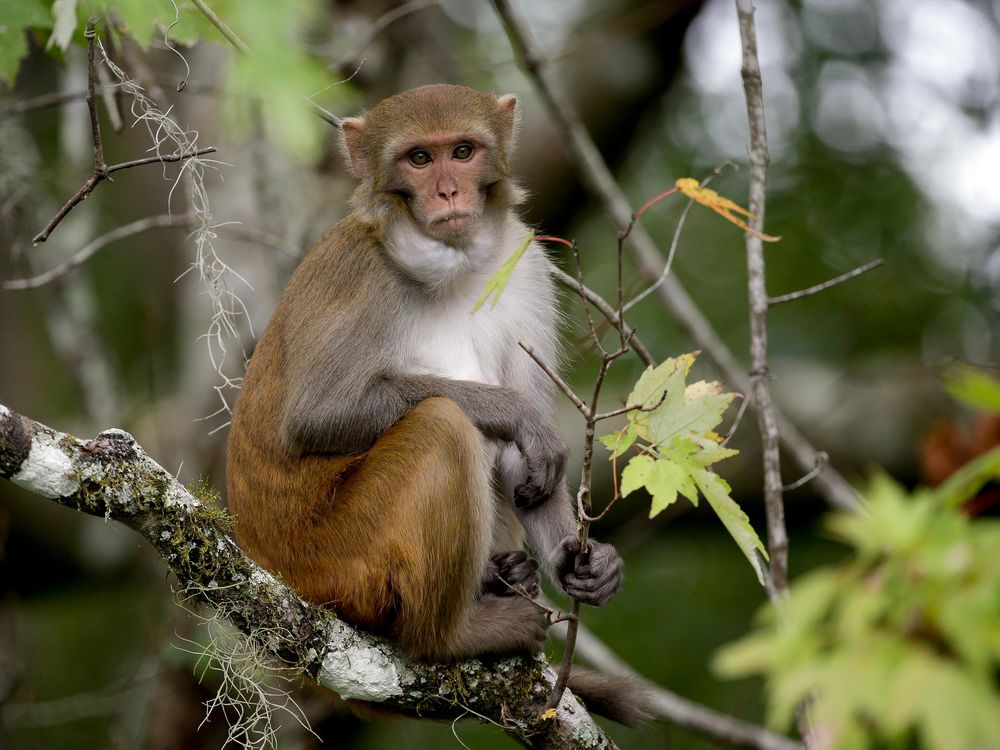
408,530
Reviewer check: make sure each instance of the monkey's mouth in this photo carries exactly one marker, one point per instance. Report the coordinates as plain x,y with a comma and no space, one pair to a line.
456,220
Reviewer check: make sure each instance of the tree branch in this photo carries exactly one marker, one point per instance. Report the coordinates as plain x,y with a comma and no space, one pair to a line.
809,291
777,534
112,477
598,178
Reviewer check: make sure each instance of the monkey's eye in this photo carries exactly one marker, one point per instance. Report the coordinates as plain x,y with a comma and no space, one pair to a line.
463,151
419,158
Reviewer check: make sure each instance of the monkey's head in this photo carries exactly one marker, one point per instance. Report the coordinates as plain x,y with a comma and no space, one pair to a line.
440,153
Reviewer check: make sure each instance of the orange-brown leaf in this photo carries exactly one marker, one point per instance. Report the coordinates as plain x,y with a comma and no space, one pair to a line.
721,205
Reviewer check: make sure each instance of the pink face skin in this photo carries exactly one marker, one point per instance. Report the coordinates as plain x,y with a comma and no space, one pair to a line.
443,177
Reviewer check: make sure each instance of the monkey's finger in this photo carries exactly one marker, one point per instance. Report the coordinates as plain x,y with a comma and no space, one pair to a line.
528,495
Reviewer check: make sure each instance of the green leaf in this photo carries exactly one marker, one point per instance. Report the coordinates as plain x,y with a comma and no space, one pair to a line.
678,421
499,281
716,491
636,474
649,388
974,387
697,410
16,17
967,481
619,442
64,13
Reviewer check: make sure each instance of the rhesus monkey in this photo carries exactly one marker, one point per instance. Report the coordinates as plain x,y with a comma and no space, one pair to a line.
390,449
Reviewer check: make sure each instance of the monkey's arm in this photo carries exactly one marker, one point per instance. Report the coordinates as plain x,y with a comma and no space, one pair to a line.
350,413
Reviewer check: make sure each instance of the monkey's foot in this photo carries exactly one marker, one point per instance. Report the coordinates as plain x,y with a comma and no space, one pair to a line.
511,574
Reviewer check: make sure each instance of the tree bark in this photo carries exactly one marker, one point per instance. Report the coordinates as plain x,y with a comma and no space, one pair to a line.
111,476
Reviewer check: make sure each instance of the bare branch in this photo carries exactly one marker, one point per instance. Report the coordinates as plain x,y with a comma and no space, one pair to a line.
95,126
791,296
41,102
598,178
91,248
557,379
112,477
605,308
166,158
757,290
222,26
821,461
92,182
379,25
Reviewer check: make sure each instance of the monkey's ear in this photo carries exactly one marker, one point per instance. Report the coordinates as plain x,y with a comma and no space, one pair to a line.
507,116
353,145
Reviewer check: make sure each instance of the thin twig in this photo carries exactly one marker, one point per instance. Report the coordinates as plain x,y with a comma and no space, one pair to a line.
230,35
186,222
821,461
791,296
159,159
605,308
92,182
738,419
379,25
81,257
634,407
554,615
557,379
674,242
583,495
41,102
777,534
586,308
598,178
90,34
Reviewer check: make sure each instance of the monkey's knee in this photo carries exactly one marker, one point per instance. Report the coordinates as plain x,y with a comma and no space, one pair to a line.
449,444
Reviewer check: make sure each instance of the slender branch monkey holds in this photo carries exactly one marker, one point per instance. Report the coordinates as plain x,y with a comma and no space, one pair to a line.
391,452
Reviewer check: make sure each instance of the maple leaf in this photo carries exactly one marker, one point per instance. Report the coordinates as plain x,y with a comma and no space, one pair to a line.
498,283
674,424
726,208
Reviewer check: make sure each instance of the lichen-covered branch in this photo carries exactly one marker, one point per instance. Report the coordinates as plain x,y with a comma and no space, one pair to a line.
111,476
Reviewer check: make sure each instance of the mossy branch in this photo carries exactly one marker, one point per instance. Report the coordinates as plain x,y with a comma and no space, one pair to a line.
111,476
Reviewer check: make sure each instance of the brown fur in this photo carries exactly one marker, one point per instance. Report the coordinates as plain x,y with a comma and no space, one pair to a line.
396,496
396,536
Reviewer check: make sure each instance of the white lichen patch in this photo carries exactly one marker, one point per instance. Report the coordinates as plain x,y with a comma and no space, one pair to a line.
174,494
47,471
4,411
364,672
583,731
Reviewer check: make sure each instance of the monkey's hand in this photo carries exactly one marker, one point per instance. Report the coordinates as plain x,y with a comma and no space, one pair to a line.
511,573
594,582
545,453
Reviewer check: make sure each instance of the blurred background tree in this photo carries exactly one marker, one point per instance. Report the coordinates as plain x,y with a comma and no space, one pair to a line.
883,125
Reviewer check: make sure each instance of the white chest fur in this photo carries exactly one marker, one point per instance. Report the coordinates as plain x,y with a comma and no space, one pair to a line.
446,338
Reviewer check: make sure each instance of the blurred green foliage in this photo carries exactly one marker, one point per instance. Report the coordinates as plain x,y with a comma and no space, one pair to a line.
865,348
901,641
274,78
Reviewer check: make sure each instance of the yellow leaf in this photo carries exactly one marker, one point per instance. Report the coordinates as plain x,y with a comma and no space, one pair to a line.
496,285
721,205
548,715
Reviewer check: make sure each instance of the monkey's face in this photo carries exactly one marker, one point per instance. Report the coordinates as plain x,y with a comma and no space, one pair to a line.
444,180
443,150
